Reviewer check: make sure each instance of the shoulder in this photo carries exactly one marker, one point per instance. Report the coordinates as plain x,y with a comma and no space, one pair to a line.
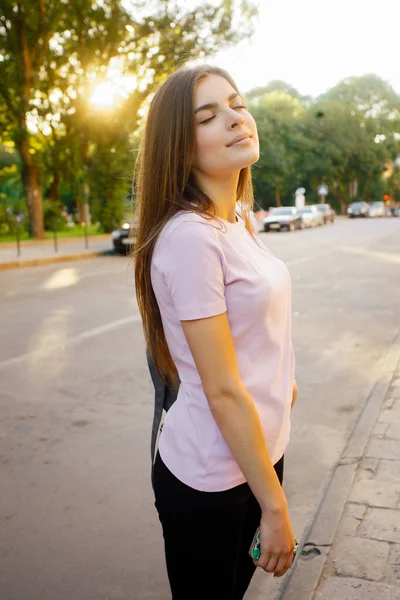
187,238
187,229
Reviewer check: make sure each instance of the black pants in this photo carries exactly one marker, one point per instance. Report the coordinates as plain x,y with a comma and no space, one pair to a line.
207,536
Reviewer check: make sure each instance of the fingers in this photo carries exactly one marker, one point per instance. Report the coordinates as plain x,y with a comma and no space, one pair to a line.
283,565
263,560
278,564
270,566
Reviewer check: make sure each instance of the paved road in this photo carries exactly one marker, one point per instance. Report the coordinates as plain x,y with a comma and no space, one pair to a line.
76,508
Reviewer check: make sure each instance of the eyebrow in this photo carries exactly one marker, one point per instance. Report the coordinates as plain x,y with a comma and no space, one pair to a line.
214,104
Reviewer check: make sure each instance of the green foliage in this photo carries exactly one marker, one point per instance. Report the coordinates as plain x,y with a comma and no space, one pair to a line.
277,114
110,173
350,134
54,55
11,189
274,86
53,219
11,196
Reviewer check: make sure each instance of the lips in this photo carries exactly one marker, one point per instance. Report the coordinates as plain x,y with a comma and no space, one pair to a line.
239,138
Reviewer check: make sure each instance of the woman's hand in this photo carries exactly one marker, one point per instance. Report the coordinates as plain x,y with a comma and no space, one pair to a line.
276,543
295,392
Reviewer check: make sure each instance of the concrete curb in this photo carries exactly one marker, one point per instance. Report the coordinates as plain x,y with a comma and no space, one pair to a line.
318,538
48,260
50,242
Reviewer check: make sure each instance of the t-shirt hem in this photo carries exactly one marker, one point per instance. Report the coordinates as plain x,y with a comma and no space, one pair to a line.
227,485
194,484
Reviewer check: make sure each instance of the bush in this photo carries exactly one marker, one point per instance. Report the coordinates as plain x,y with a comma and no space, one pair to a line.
8,222
53,217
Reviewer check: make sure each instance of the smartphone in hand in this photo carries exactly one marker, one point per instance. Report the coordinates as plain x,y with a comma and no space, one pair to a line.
255,550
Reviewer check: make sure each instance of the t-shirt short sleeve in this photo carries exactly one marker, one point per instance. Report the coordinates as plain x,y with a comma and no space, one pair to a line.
191,262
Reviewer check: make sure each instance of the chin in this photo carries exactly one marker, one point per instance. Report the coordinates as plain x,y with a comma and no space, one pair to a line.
256,157
249,159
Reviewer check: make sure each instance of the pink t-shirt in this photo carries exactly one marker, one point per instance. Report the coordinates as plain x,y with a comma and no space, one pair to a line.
202,268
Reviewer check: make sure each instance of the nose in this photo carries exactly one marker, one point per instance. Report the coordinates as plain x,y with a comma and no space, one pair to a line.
235,119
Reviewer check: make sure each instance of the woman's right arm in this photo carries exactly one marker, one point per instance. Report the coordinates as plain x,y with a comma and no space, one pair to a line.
210,341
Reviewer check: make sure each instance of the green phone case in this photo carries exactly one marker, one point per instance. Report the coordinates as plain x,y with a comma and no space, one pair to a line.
255,550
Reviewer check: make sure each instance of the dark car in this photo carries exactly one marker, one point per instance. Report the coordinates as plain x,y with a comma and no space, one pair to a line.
358,209
327,212
286,218
124,237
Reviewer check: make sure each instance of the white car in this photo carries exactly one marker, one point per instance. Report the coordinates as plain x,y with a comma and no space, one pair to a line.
377,209
312,217
358,209
283,218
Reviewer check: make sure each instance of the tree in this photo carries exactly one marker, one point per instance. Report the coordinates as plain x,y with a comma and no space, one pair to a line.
363,115
55,53
276,85
276,114
26,28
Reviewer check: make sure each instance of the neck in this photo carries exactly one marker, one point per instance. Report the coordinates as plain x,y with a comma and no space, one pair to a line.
223,194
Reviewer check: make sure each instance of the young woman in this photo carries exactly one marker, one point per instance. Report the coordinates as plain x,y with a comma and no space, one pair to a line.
216,310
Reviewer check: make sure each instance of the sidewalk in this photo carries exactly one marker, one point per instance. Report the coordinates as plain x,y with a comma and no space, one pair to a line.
352,549
43,252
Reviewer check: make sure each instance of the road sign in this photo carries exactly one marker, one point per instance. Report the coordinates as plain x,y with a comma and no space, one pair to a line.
323,190
300,197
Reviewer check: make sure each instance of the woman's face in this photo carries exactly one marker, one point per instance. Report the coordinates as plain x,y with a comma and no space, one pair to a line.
226,137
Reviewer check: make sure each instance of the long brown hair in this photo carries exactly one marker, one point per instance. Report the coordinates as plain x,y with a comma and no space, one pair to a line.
166,185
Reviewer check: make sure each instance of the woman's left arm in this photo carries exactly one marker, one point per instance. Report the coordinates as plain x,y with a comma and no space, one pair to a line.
295,392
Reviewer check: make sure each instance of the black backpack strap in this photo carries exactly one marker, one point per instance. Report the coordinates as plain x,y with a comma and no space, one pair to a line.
164,397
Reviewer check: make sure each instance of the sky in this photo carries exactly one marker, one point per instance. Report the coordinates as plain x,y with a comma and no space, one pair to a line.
313,44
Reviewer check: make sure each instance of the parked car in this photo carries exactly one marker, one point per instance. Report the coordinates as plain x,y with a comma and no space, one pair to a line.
283,218
358,209
312,217
327,212
392,211
377,209
123,238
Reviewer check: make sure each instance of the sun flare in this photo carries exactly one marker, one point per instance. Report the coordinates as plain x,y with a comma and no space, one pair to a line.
104,95
115,88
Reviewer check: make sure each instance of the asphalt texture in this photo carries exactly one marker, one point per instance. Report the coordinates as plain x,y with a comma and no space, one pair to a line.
77,518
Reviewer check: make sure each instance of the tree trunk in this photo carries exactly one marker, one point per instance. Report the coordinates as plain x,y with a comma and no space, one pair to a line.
30,170
86,207
80,210
342,205
86,165
353,191
33,191
277,196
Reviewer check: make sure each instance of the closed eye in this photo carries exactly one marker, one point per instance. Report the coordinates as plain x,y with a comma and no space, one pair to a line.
207,120
213,117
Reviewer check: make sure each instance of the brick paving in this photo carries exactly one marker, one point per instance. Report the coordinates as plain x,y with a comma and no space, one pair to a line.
364,562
